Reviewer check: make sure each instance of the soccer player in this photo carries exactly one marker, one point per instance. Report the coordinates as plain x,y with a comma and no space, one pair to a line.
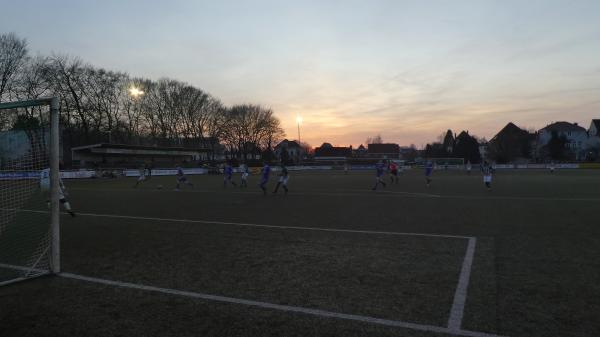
283,179
182,179
379,168
487,175
346,168
62,190
428,172
245,172
149,168
264,179
469,167
142,176
393,167
552,167
228,173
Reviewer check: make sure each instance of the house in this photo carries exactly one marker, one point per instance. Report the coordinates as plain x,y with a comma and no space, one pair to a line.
592,145
293,150
466,147
330,152
408,152
511,144
360,152
384,151
449,141
594,130
576,138
484,149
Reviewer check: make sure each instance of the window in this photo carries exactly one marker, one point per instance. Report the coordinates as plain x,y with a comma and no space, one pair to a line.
569,133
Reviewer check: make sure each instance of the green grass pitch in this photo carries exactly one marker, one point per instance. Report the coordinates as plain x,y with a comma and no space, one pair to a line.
534,272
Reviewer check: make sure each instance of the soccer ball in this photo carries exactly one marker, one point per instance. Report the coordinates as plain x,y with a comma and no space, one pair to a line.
159,187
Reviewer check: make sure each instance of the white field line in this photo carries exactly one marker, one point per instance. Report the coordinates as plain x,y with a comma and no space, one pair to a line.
303,192
335,230
280,307
384,191
454,322
367,193
460,296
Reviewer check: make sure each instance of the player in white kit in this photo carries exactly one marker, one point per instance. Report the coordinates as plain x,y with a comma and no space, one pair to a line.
487,170
142,176
45,186
245,172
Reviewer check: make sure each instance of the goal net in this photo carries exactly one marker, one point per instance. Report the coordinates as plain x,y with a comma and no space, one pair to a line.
29,206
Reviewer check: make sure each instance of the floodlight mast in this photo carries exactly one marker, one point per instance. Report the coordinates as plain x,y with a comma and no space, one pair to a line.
299,121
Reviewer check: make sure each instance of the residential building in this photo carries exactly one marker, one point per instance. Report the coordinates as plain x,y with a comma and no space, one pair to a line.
594,130
592,145
384,151
576,138
484,149
360,152
294,151
328,151
448,142
511,144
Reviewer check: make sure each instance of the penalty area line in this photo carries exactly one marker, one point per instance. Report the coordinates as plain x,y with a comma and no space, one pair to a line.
280,307
240,224
460,296
301,192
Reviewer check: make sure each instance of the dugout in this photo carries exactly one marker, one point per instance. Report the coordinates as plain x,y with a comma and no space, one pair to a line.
123,155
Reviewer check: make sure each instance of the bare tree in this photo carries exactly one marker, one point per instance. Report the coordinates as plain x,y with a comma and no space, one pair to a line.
68,76
374,140
13,54
105,90
29,83
132,109
95,101
251,128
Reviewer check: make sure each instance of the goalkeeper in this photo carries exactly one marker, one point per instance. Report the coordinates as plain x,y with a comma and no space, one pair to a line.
45,186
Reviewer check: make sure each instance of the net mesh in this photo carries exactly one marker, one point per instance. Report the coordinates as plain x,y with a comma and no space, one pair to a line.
25,220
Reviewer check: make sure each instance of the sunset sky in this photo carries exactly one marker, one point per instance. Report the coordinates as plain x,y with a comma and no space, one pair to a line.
408,70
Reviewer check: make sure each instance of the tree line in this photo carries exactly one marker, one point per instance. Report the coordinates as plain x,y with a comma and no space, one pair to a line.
449,145
99,105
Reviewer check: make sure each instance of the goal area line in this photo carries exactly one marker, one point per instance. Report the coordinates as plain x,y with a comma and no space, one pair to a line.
266,305
456,311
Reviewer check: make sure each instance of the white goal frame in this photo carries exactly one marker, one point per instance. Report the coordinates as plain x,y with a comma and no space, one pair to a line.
54,103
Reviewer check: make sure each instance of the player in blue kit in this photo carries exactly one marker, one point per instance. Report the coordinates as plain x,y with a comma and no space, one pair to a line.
379,170
264,179
428,172
182,179
228,173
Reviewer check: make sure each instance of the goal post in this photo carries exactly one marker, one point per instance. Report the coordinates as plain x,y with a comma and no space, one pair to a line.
29,213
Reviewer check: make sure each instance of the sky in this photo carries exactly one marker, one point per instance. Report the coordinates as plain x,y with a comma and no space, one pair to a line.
408,70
